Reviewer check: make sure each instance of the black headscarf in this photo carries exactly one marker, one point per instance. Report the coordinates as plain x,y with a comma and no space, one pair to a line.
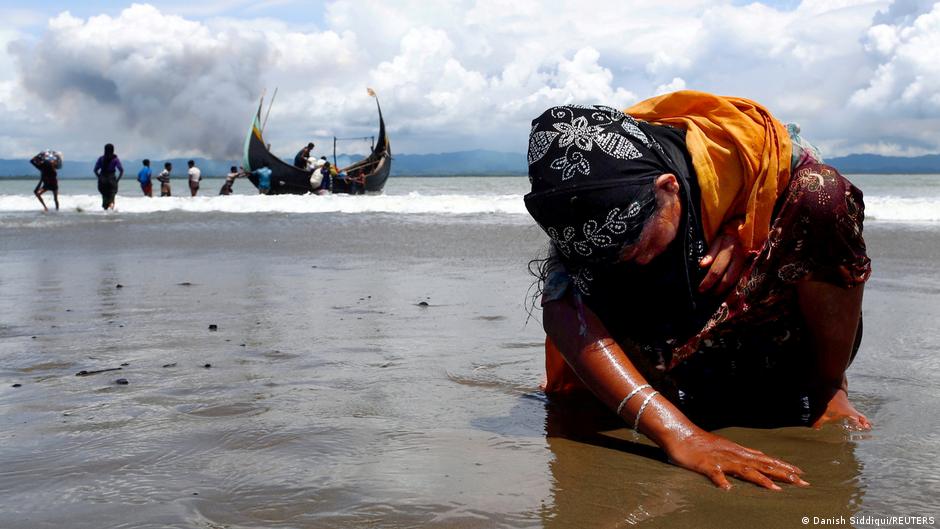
592,170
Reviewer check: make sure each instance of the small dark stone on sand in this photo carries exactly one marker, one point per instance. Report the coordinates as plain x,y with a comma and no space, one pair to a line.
119,286
207,366
121,382
170,365
213,327
17,385
85,373
125,364
423,304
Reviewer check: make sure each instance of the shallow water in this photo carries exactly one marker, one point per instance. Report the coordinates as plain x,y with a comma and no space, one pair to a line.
334,399
889,198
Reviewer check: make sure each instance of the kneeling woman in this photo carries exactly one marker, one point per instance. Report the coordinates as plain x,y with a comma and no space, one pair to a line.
706,270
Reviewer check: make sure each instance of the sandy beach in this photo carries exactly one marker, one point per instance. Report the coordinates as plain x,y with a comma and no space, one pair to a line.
330,395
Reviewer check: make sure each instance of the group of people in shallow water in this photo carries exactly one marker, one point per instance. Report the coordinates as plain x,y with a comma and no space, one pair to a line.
145,178
323,173
109,171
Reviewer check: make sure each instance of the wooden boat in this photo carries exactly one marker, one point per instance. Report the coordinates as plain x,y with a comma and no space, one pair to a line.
366,175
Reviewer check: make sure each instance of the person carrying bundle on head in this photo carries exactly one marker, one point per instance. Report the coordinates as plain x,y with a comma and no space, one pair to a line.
47,162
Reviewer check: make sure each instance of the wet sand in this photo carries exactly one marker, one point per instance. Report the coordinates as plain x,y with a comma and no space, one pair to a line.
335,399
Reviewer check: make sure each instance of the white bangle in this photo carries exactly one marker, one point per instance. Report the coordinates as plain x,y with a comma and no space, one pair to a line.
630,396
636,423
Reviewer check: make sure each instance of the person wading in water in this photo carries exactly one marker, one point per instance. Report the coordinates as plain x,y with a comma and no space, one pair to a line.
109,171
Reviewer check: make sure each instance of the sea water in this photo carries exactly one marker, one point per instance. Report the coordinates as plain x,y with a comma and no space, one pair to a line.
891,198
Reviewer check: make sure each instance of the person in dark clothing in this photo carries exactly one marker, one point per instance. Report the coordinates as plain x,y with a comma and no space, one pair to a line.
144,177
326,183
109,171
47,162
300,159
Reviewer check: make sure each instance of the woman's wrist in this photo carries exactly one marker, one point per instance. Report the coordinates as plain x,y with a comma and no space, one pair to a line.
665,425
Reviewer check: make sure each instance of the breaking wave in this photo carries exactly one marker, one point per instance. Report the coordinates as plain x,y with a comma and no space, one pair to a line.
878,208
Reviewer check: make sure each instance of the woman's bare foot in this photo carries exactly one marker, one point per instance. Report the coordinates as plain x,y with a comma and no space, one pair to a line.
839,409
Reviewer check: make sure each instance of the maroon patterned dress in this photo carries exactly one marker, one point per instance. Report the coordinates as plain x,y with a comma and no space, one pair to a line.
749,363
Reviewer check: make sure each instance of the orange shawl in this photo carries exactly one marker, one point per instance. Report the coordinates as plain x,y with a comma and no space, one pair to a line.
741,156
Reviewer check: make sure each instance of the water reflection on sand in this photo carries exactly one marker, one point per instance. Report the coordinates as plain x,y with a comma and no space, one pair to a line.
602,472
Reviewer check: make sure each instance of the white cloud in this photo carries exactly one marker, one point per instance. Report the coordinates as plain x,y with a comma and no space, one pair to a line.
676,84
466,74
907,80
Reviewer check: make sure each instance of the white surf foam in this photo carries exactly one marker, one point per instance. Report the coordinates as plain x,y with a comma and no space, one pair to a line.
412,203
897,209
877,208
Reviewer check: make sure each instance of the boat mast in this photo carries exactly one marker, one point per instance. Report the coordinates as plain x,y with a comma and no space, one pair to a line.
271,104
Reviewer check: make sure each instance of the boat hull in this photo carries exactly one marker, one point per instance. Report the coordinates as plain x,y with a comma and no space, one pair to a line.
373,171
285,178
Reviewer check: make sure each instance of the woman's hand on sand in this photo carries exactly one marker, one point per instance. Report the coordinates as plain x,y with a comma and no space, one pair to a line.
717,458
725,262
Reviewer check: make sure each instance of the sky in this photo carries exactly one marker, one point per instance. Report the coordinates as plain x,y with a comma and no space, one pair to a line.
183,78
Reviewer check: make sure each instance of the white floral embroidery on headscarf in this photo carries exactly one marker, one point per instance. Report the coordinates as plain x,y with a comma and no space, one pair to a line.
578,135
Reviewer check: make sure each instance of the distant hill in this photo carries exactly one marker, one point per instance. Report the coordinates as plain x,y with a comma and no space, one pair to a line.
875,163
476,162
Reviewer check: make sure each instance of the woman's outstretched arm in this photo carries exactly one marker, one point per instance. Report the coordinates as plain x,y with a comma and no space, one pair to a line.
606,370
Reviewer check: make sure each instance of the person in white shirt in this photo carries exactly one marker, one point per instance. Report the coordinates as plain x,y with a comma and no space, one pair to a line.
195,176
164,179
